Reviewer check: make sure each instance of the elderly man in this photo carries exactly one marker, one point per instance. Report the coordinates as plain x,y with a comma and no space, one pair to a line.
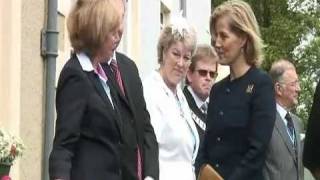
284,154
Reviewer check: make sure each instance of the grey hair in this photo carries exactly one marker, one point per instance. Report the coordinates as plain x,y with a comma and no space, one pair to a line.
278,68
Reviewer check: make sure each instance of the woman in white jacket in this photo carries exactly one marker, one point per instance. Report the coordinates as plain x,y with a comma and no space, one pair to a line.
170,115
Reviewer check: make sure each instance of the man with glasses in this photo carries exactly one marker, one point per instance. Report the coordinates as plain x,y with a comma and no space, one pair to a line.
200,78
284,154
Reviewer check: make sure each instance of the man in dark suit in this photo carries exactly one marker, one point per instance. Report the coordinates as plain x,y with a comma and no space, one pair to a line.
311,154
139,148
284,154
200,78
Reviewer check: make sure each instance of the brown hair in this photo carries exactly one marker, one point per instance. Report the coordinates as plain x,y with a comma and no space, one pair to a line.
201,52
243,22
89,23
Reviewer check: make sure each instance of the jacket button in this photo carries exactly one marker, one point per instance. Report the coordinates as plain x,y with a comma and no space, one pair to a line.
218,139
217,165
221,113
228,90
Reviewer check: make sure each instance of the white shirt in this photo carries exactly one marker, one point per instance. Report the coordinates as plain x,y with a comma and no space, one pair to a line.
283,114
177,136
86,65
198,101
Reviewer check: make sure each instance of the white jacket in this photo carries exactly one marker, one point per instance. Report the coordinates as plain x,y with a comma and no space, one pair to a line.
175,130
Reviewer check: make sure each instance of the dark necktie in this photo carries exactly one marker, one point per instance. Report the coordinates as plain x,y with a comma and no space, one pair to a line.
117,75
204,107
290,127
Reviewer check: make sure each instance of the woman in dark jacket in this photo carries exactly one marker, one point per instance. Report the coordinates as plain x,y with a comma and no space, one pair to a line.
242,107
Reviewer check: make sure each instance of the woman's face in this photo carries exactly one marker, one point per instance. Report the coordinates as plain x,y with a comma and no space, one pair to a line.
175,63
227,43
113,37
112,41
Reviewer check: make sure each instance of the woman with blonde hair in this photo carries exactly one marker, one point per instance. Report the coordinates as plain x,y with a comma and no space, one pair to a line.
169,112
87,136
242,107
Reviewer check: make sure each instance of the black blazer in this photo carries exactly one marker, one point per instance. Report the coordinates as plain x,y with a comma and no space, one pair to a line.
138,130
87,136
311,154
239,126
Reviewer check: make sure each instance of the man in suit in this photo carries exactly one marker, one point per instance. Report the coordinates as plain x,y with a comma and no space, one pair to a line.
284,154
200,78
139,148
311,154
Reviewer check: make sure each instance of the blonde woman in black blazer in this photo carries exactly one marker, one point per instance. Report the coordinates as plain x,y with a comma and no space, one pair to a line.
87,137
242,106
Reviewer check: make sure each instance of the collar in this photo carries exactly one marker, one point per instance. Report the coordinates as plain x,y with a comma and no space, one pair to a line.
85,62
282,112
86,65
114,57
198,101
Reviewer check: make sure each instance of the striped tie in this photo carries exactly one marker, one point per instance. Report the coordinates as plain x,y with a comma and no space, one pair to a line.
117,75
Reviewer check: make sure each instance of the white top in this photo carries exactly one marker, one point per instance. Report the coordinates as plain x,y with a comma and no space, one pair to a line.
175,130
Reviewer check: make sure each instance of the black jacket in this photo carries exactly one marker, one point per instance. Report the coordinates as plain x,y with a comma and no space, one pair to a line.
239,126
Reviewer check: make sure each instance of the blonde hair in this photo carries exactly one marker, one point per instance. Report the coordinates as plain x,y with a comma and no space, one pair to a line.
89,23
177,31
243,22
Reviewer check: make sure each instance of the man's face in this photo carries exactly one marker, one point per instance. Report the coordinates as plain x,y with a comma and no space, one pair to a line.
203,77
288,89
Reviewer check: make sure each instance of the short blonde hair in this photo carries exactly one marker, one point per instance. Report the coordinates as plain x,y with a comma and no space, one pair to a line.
89,23
243,22
174,32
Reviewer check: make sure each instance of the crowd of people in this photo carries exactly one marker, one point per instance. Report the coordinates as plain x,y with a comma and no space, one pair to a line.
113,125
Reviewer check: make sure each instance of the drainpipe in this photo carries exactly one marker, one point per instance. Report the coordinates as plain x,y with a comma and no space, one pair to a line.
49,51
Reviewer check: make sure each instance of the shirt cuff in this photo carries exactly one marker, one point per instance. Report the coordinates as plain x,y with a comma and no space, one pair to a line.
148,178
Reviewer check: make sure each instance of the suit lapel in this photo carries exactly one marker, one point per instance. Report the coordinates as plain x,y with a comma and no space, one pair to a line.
98,87
192,104
126,83
282,129
297,138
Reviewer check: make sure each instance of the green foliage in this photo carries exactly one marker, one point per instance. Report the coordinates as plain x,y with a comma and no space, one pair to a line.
285,26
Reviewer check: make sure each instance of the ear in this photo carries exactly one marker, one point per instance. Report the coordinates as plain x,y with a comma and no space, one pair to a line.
244,39
189,74
278,89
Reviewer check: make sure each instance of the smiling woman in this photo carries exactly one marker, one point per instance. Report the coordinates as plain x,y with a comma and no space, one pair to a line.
170,115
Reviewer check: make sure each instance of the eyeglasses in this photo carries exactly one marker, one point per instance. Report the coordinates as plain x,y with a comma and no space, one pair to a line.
204,73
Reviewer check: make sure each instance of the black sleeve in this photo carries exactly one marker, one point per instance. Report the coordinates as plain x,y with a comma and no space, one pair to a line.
70,106
150,144
311,154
